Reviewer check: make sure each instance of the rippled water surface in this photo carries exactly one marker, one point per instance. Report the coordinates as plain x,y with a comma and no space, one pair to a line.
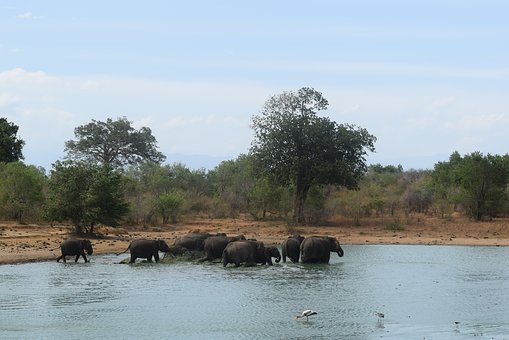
430,292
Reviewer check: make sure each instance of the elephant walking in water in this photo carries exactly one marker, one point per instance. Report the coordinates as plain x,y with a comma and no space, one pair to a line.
194,241
146,249
75,247
291,248
249,253
317,249
215,245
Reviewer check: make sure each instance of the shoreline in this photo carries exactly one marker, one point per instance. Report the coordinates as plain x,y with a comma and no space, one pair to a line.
21,243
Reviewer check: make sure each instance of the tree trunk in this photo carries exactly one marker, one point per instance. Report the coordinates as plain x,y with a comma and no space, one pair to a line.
300,198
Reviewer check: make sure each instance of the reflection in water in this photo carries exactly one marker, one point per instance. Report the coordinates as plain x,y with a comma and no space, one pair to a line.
433,292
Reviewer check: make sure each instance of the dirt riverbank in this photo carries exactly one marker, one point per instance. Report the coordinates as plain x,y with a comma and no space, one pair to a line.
31,242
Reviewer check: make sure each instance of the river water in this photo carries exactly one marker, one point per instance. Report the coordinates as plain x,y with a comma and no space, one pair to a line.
432,292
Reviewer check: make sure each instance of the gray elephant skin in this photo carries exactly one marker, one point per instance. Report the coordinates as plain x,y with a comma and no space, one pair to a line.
75,247
146,249
215,245
291,248
265,255
317,249
249,253
194,241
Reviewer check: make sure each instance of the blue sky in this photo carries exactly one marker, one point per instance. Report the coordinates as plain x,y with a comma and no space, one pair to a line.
425,77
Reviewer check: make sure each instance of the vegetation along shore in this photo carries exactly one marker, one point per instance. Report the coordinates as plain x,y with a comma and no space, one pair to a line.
304,174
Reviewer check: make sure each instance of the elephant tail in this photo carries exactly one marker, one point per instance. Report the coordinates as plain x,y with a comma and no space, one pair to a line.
129,247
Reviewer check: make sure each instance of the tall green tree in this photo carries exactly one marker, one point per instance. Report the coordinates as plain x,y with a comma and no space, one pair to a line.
86,194
114,143
21,190
481,182
10,145
293,145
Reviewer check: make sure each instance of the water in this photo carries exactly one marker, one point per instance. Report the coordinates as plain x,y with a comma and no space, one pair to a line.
422,290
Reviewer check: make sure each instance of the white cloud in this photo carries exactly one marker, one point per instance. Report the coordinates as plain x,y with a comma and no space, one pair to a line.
28,16
7,99
20,76
479,122
442,102
208,118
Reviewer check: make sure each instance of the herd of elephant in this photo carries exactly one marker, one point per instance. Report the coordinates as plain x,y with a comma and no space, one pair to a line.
236,250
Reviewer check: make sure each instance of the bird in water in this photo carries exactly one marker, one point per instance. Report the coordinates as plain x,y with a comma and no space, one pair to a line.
307,313
380,315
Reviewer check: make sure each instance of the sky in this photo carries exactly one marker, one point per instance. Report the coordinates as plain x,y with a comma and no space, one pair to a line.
427,78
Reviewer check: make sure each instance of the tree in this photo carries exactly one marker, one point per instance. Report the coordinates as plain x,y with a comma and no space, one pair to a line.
483,180
21,190
10,145
233,180
479,182
293,145
86,194
113,143
169,206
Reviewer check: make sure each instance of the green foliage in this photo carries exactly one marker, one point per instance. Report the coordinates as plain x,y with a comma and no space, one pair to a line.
395,226
293,145
21,190
85,194
418,196
476,181
315,204
10,145
169,206
113,143
148,181
233,182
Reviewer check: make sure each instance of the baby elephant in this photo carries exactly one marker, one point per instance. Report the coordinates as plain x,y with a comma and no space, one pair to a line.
75,247
146,249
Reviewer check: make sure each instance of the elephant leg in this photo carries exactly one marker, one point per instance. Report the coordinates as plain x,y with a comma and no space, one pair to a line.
156,257
237,263
133,258
149,259
84,257
59,258
283,253
77,257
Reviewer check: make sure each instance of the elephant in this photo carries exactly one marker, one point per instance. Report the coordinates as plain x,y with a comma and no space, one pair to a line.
291,248
194,241
265,255
147,249
75,247
317,249
250,253
215,245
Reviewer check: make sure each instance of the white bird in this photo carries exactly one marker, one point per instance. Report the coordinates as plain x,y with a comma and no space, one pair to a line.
307,313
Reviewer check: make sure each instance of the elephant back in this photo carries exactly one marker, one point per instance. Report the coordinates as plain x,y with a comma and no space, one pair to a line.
313,246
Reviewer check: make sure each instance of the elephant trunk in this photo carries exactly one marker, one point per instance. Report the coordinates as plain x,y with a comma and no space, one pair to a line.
278,259
340,252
